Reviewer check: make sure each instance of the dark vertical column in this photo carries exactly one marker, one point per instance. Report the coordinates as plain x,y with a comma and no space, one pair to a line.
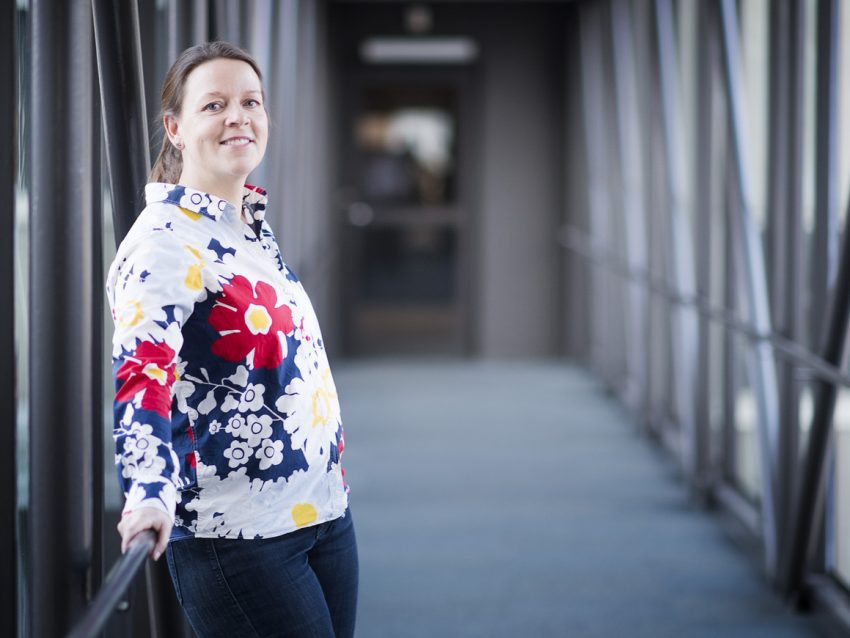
731,374
227,21
825,251
786,199
153,22
8,466
188,24
60,313
705,228
778,140
809,488
119,57
98,503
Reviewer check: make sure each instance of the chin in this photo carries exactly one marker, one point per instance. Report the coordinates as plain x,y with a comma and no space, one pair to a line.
242,170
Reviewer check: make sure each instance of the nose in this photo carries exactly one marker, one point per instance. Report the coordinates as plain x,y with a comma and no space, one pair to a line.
236,116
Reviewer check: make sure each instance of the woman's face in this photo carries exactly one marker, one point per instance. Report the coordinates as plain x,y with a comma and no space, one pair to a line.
222,125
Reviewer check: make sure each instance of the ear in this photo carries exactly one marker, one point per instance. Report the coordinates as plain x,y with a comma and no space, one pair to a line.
172,128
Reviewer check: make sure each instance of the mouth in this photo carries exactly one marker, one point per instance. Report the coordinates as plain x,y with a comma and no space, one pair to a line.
237,141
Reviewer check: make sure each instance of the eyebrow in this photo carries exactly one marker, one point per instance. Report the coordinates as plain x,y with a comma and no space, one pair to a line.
220,94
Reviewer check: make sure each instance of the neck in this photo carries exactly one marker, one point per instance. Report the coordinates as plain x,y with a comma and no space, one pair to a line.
229,191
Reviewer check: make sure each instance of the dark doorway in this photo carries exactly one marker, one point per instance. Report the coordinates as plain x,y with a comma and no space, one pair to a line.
404,208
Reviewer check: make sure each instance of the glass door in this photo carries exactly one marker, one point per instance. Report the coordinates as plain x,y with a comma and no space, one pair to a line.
402,216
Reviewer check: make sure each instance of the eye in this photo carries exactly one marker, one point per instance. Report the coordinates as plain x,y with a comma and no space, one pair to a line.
212,106
251,103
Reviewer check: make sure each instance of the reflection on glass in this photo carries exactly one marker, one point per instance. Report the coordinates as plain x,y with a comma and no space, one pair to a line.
840,506
405,220
747,465
406,154
412,264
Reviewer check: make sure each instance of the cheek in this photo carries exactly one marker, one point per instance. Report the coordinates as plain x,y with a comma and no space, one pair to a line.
262,125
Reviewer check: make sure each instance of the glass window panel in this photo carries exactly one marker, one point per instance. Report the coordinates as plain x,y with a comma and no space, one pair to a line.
688,77
113,498
409,264
755,74
406,144
747,462
840,511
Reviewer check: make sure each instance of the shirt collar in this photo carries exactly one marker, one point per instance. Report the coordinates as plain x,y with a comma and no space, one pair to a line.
253,200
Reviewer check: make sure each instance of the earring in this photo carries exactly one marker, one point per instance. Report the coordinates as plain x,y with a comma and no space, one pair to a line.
179,146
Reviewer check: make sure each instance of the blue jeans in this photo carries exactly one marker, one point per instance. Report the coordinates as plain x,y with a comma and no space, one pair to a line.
299,585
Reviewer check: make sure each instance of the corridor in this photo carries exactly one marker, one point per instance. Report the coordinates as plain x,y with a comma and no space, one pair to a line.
507,499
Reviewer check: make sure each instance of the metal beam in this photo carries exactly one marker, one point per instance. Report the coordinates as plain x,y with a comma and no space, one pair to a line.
8,395
598,205
188,25
679,235
786,151
826,234
809,488
634,215
119,61
809,492
62,369
753,282
226,20
97,424
707,229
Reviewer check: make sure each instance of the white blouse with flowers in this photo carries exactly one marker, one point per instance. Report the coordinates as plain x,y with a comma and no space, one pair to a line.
226,413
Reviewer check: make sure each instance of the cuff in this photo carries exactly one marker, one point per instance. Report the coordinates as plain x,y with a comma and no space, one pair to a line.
161,495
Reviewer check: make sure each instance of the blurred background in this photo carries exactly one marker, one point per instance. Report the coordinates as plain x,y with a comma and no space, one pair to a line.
550,244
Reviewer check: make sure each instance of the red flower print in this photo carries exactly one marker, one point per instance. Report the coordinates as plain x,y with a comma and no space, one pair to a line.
248,318
149,368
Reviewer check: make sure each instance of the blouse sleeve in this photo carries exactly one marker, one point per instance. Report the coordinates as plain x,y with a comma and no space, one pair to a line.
152,287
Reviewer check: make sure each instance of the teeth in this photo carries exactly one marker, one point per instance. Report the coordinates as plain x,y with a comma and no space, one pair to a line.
236,141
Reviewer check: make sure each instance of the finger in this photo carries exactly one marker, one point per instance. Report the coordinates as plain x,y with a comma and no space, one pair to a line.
128,534
162,541
132,528
126,537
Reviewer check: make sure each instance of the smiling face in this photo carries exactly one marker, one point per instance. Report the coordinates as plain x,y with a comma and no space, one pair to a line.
222,127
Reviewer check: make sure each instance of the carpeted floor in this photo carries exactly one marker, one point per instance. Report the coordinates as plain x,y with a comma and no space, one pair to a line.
508,499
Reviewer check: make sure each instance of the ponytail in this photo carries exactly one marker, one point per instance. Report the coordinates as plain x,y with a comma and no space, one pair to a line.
168,165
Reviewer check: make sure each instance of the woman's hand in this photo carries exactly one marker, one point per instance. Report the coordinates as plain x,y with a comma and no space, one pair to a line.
143,518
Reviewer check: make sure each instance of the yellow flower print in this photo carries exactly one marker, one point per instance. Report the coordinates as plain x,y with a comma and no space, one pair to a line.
190,214
193,277
324,401
129,314
153,371
258,320
303,514
312,413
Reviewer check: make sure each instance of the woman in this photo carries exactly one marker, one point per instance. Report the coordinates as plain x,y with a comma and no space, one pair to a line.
227,424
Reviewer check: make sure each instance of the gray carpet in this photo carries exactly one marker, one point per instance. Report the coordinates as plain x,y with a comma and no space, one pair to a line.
515,499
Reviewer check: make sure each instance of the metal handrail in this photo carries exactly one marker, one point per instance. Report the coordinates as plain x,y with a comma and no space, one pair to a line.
578,241
114,586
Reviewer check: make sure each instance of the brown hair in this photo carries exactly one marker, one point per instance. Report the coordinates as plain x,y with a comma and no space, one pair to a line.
169,164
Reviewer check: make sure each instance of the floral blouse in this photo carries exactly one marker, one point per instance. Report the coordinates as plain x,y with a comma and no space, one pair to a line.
226,413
